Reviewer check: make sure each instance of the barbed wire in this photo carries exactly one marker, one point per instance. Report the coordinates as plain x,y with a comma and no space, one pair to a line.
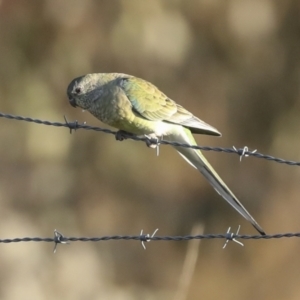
228,236
242,152
154,238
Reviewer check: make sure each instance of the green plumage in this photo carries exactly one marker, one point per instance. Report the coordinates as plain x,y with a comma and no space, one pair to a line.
136,106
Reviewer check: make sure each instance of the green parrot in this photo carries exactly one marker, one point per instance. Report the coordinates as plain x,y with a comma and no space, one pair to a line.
137,107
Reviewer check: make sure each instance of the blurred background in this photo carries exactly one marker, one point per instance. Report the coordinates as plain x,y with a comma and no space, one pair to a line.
235,64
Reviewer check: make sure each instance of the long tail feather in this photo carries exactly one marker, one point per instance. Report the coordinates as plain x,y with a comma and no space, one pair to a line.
197,160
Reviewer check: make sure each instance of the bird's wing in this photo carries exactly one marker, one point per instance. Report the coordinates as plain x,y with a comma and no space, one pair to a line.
149,102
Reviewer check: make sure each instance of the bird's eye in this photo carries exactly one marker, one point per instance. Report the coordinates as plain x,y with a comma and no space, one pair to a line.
78,90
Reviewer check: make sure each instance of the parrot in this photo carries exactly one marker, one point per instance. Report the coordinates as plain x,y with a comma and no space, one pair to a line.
135,106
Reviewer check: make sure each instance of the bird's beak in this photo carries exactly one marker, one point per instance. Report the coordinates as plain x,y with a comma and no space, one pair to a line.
72,102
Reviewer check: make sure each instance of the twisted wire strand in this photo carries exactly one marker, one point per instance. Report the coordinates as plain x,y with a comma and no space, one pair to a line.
75,125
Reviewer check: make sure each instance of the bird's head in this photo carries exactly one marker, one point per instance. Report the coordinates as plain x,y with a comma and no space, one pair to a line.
81,89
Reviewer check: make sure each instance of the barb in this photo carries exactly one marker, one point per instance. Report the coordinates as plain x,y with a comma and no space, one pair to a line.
72,125
75,125
146,237
244,152
58,239
231,237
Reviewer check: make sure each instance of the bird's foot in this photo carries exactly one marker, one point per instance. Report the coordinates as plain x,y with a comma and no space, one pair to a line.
153,142
122,135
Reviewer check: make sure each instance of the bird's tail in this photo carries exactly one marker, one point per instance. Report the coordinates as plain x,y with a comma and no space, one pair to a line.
198,161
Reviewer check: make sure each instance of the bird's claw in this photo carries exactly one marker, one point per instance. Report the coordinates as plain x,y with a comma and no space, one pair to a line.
150,143
153,142
122,135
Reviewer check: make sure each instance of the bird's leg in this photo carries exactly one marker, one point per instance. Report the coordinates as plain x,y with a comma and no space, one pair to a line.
122,135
